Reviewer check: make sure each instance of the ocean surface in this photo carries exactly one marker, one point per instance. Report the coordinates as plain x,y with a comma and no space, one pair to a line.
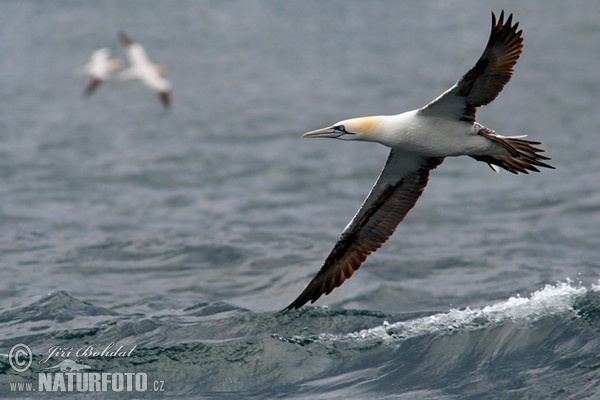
164,243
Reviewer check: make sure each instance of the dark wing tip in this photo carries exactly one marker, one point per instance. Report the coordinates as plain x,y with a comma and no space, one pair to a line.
505,32
296,304
320,285
92,86
165,99
482,83
494,21
368,231
125,39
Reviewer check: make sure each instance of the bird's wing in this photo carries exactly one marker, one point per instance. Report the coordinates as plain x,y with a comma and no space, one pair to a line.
135,51
399,186
91,86
165,98
125,39
482,83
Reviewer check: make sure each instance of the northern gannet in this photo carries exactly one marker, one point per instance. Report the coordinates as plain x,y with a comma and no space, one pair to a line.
99,68
420,140
143,69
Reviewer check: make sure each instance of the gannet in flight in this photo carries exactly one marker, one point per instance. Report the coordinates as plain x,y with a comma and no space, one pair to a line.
99,68
420,140
143,69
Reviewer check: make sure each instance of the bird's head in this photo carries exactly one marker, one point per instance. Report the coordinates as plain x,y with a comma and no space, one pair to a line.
116,64
161,69
365,128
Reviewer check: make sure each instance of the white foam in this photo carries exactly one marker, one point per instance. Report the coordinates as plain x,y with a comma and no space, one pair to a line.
551,300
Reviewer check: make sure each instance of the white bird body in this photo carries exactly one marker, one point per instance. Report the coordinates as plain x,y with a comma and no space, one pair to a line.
99,65
419,141
143,69
99,68
137,56
427,136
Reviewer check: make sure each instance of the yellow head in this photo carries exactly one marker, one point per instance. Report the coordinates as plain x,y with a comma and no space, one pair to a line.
161,69
364,128
116,64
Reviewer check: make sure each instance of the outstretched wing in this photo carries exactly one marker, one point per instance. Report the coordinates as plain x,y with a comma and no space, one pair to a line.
125,39
397,190
135,51
165,99
92,86
482,83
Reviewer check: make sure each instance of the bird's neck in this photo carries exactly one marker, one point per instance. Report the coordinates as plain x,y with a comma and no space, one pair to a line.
388,129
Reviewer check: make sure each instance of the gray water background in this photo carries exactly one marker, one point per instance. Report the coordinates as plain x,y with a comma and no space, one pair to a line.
117,203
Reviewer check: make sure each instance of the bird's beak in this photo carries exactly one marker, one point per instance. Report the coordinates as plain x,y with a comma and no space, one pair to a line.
325,132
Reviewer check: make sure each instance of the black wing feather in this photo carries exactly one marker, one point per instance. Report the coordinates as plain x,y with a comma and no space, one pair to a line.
375,222
482,83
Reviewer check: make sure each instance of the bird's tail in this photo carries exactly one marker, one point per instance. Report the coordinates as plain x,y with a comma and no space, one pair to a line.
523,155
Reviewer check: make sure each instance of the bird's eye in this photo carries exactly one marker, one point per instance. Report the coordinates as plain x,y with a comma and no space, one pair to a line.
340,128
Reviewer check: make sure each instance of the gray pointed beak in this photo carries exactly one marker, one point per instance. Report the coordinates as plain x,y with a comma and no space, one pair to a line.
325,132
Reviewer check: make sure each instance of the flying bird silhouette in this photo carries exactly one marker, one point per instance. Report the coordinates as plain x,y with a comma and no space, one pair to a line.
143,69
420,140
98,69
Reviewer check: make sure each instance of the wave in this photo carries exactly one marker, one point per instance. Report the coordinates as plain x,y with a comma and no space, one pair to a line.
546,302
544,345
